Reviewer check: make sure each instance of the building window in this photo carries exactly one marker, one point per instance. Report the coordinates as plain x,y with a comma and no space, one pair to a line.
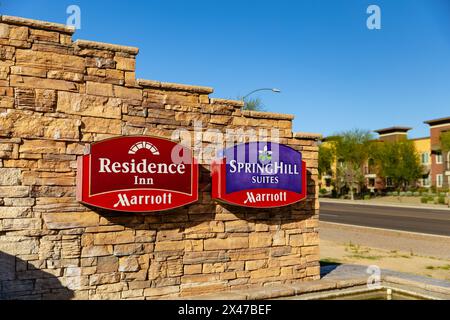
439,180
425,158
439,158
448,160
426,181
389,182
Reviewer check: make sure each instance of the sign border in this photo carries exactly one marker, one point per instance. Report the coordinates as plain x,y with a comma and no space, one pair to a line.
82,184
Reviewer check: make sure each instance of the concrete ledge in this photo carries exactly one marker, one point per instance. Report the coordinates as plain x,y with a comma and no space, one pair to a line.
338,281
267,115
106,46
37,24
174,86
307,136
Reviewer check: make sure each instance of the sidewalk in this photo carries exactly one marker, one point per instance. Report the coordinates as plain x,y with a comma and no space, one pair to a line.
414,253
380,203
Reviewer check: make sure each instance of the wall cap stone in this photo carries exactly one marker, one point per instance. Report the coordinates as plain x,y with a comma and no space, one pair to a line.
38,24
174,86
307,135
106,46
236,103
267,115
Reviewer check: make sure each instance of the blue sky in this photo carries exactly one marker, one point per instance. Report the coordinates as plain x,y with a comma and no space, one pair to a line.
335,74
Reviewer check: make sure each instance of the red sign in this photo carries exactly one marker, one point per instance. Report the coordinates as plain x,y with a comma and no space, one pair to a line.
259,175
137,174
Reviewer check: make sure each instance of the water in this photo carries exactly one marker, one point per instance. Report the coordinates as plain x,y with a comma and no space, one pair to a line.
382,294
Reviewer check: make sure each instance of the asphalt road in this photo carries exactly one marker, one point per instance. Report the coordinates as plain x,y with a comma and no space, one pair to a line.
424,220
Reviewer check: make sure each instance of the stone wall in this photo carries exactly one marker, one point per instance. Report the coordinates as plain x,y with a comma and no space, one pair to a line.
56,97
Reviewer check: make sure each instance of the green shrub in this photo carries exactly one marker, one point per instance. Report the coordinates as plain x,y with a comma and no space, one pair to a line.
323,191
402,193
389,193
409,193
395,193
367,197
441,200
423,190
424,200
417,194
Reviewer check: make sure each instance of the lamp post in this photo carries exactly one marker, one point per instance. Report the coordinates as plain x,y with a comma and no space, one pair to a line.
262,89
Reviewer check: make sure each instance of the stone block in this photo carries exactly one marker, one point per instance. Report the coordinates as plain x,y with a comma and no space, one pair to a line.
311,238
128,249
9,176
42,83
49,60
15,212
162,291
96,251
125,64
20,224
4,30
17,123
169,246
228,243
99,125
129,264
127,93
14,192
69,220
237,226
43,35
29,71
18,33
93,106
296,240
99,89
107,264
265,273
260,240
255,264
120,237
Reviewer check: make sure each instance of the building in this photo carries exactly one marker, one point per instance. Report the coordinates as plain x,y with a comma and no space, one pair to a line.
423,147
440,159
435,160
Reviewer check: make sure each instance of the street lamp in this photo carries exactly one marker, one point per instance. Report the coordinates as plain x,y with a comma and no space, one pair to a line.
262,89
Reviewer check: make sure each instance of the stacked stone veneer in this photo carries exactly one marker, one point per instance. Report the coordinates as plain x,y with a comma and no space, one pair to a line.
58,96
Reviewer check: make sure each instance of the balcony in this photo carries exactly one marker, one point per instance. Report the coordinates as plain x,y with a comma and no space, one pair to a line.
426,168
369,171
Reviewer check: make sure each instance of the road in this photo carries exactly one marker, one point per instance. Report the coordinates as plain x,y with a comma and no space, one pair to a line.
424,220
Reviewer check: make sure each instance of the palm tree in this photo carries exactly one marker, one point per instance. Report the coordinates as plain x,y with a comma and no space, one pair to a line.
252,104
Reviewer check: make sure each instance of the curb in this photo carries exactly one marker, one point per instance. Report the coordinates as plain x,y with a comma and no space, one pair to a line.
384,230
383,205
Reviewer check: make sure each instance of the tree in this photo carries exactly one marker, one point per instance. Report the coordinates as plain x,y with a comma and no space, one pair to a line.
445,140
326,159
398,161
352,149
